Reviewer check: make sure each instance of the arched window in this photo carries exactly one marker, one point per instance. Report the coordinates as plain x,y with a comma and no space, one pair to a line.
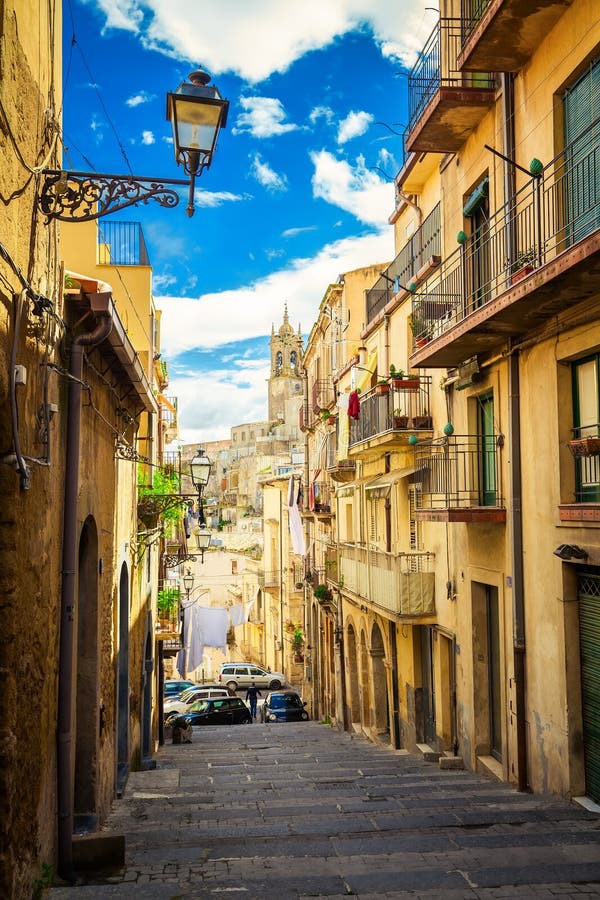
278,362
293,359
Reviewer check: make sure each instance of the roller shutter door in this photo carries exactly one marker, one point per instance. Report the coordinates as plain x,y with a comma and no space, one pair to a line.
589,636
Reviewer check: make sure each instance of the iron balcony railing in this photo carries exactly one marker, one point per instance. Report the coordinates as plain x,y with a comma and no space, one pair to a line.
423,244
401,410
471,12
318,498
459,472
269,579
401,583
170,461
436,68
122,244
551,212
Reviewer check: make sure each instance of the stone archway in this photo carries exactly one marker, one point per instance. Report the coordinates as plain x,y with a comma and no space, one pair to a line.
147,698
353,683
123,681
364,682
87,708
381,722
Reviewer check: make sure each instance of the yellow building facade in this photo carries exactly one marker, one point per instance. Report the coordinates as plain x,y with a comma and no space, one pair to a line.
464,608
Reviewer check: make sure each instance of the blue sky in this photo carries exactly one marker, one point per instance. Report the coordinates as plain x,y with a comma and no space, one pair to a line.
291,199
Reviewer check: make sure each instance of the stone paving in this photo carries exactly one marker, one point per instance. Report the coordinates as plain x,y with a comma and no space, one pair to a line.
302,810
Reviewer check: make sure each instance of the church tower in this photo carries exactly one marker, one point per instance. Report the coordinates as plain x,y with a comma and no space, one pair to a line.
286,384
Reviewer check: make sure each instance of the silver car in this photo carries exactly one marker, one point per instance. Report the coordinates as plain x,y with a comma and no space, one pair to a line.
241,675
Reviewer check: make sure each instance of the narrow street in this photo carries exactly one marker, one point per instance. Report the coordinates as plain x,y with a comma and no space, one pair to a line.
301,810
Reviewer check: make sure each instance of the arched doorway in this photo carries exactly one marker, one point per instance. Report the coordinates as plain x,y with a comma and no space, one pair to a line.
123,681
364,682
147,698
87,701
380,695
354,696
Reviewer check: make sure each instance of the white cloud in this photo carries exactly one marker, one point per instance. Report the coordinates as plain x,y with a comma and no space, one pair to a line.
356,190
148,138
321,112
267,176
294,232
264,117
355,124
217,198
214,320
138,99
256,38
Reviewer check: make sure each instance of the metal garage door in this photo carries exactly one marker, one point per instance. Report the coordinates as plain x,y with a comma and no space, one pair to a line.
589,635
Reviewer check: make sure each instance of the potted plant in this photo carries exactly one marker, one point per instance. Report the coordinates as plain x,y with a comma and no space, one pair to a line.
323,593
419,328
522,265
167,603
399,420
297,640
382,387
402,382
585,446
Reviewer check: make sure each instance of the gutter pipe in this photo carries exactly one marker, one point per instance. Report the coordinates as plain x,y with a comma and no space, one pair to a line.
64,765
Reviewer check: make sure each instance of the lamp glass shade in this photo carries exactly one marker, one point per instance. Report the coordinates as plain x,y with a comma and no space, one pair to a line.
203,536
200,467
197,113
188,581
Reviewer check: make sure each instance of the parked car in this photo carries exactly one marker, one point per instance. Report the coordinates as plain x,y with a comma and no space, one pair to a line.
184,703
283,706
240,675
214,711
173,688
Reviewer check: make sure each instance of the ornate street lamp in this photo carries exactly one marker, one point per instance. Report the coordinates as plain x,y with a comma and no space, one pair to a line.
203,537
200,467
197,112
188,582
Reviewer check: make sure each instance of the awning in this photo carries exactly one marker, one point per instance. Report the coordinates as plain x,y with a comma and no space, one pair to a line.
383,483
346,491
164,401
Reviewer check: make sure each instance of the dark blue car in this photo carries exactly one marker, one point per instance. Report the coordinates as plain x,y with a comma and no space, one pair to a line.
283,706
215,711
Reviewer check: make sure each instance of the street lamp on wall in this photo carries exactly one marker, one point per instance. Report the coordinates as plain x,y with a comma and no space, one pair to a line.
200,467
197,112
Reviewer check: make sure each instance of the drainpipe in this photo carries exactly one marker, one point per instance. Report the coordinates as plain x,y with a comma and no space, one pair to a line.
516,523
64,766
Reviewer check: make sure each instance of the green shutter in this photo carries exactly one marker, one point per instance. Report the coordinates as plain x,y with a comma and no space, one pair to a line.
581,110
589,637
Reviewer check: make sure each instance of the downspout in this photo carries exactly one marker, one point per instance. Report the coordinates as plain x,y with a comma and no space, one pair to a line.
64,767
514,416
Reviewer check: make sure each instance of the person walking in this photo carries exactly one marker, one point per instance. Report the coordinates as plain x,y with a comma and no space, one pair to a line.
252,695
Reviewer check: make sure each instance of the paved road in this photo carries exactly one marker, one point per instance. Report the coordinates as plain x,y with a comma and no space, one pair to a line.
301,810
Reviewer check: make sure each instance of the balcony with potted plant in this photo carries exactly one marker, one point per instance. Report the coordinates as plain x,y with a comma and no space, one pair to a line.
386,421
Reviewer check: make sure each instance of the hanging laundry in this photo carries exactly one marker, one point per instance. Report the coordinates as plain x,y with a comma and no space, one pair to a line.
296,530
353,405
237,615
212,624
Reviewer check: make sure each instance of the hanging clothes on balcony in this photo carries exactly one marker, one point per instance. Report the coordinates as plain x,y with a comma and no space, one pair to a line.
295,522
353,405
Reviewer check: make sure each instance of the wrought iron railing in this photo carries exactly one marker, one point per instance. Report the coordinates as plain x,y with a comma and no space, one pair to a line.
404,409
401,583
471,14
318,498
170,461
122,244
436,68
269,579
423,244
459,472
551,212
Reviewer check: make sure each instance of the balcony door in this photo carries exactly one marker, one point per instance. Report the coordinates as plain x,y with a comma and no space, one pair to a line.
487,451
581,107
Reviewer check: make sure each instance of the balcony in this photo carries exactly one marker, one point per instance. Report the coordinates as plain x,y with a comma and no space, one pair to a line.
445,104
399,583
319,500
502,35
460,479
229,498
170,462
422,246
339,470
168,417
121,244
585,448
535,258
269,579
322,395
388,419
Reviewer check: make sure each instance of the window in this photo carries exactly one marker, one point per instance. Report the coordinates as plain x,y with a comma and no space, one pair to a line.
581,109
586,419
278,362
487,451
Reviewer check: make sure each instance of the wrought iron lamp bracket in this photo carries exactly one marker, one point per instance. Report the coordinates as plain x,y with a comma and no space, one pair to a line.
84,196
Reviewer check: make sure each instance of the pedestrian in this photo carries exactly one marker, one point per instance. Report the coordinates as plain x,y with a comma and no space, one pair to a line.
252,695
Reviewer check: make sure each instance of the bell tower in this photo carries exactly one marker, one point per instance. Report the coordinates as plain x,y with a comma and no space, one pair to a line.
285,381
